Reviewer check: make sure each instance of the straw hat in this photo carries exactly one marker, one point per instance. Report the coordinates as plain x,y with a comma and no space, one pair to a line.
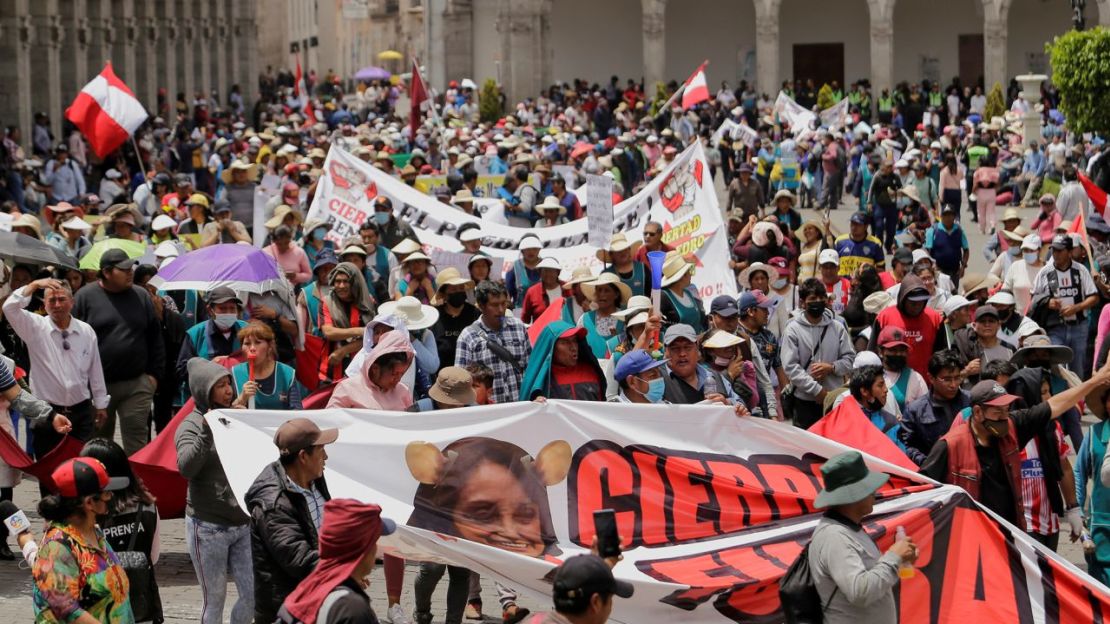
416,255
280,213
612,279
810,223
675,267
978,281
1011,214
1017,235
77,223
746,274
619,242
28,220
162,222
720,339
406,246
550,203
463,196
635,305
415,314
450,276
580,275
453,386
240,165
1057,354
911,192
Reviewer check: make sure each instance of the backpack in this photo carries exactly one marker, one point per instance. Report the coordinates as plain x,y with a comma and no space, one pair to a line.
801,603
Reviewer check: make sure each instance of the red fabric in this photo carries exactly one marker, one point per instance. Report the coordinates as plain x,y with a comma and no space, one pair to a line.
848,425
14,456
964,469
886,279
1096,194
308,361
696,88
104,133
553,312
536,303
418,93
920,332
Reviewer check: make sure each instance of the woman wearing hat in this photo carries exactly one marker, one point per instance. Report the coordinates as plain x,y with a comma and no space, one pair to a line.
315,239
720,351
620,258
456,313
415,279
608,295
76,570
162,229
913,218
551,212
287,216
55,216
680,301
1021,275
74,239
540,295
784,210
854,579
813,237
199,215
1012,253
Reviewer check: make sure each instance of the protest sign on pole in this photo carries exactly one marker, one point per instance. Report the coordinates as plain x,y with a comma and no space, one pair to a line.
599,209
710,516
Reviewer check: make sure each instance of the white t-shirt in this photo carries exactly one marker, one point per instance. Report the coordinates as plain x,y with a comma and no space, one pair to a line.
1067,292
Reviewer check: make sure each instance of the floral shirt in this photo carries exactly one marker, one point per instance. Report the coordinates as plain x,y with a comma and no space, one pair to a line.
72,577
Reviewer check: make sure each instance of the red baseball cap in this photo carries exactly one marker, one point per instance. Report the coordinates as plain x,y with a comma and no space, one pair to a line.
85,476
574,332
892,336
779,263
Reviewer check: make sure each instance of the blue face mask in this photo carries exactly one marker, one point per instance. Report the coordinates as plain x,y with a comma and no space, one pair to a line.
655,390
381,218
1031,257
1014,251
319,233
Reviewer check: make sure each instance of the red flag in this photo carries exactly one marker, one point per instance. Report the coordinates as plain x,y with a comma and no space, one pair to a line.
418,93
848,425
696,88
106,112
300,91
553,312
1096,195
14,456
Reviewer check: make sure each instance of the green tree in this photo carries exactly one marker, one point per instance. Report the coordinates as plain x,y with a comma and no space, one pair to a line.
996,104
489,102
825,98
1081,72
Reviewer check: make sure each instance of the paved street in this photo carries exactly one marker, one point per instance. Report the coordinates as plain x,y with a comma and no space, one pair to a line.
181,596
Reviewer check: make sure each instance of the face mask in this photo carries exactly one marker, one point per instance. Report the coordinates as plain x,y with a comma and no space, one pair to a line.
655,389
1014,251
381,218
779,284
895,362
816,308
225,321
723,362
319,233
1004,316
456,299
1030,257
997,428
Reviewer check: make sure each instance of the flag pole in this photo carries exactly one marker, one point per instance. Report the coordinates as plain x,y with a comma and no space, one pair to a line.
142,167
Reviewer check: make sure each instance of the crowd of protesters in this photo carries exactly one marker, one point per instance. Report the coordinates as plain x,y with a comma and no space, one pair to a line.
979,378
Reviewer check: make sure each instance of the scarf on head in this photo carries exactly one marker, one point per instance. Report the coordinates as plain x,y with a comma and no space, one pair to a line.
360,296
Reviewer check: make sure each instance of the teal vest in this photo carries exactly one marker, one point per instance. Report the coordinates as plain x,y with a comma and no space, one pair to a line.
637,282
690,315
198,335
312,302
284,378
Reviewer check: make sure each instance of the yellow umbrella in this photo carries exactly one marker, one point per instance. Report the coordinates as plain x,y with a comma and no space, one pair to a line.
390,55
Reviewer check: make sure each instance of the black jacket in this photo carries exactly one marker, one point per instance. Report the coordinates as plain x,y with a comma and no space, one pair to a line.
283,538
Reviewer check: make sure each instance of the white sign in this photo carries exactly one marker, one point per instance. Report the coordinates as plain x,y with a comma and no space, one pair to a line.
599,209
461,261
356,9
793,113
836,116
681,198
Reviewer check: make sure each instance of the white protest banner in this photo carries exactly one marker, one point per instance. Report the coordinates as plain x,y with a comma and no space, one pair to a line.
793,113
461,261
836,116
681,198
599,209
711,515
5,222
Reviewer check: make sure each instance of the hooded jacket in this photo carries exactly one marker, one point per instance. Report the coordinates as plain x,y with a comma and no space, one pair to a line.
538,381
921,330
360,392
803,344
283,538
209,497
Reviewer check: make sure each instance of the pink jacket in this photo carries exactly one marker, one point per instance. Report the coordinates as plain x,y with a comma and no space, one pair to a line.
1046,228
293,260
360,392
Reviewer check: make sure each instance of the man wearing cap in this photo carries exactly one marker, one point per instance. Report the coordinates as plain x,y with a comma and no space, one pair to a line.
685,380
947,243
838,287
1013,325
223,229
817,355
65,360
1063,292
906,384
640,378
525,270
854,580
218,336
754,311
980,344
915,317
982,453
132,350
583,590
286,506
957,315
857,248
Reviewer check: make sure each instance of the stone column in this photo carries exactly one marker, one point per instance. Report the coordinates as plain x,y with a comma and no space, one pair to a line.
101,34
147,52
767,57
1103,13
654,31
458,48
202,44
231,52
123,48
17,34
167,54
524,28
246,39
46,94
995,35
186,50
882,44
75,51
221,30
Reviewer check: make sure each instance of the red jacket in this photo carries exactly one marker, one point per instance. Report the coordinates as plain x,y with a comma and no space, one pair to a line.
535,301
964,469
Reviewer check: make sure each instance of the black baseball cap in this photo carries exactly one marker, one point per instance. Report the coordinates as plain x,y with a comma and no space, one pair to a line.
986,310
581,577
1061,241
116,259
221,294
903,256
860,218
724,305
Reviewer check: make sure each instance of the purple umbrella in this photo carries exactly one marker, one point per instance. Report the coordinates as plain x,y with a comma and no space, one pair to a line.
239,267
372,73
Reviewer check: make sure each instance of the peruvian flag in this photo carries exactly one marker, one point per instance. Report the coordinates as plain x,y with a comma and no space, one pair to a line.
1096,194
300,92
418,94
106,112
696,89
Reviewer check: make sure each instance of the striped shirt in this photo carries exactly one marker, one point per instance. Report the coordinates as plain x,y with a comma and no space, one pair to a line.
1039,517
313,500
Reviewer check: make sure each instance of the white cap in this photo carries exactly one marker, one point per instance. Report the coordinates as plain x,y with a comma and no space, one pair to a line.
866,358
162,222
472,234
530,242
1002,298
112,174
166,250
953,303
901,164
77,223
549,263
1031,242
921,254
828,256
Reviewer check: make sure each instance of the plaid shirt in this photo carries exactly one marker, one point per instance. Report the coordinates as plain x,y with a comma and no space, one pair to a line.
513,335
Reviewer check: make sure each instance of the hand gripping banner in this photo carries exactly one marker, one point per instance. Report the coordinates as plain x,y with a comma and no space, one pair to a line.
712,509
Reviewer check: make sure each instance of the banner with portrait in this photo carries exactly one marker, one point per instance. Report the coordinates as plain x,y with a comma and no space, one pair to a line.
712,509
682,198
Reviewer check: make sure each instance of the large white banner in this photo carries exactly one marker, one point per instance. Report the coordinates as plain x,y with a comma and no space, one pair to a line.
793,113
682,198
711,508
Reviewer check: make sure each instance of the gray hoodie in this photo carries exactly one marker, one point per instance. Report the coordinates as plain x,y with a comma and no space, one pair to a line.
210,498
800,350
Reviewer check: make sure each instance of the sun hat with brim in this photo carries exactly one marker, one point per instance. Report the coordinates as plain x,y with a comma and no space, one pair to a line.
479,257
406,246
416,255
471,234
1096,401
28,221
549,263
635,305
280,213
911,192
675,268
746,275
453,386
1058,354
977,281
450,276
641,318
61,207
953,304
239,165
877,302
619,242
550,203
720,339
580,275
409,309
611,279
784,194
800,232
529,242
463,196
85,476
162,222
1011,214
1013,236
77,223
353,249
848,480
197,199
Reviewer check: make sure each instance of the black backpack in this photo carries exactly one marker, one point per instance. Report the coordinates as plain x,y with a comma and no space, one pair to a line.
801,603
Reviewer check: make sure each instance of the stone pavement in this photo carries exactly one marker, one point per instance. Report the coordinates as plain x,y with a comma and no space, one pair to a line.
181,595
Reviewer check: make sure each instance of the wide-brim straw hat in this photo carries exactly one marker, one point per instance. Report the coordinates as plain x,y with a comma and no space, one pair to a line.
612,279
674,268
619,242
746,275
416,315
239,165
280,213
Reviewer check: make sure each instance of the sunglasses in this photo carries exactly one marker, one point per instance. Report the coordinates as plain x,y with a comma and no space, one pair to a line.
65,340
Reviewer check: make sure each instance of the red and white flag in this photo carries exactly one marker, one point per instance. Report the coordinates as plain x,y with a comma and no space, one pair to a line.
106,112
418,94
300,92
1096,194
696,88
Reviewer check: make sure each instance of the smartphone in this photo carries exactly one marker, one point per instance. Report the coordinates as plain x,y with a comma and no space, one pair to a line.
605,527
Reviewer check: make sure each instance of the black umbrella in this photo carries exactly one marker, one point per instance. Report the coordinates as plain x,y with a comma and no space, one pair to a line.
23,249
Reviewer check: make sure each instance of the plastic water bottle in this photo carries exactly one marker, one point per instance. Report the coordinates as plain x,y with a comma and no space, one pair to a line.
905,569
710,386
